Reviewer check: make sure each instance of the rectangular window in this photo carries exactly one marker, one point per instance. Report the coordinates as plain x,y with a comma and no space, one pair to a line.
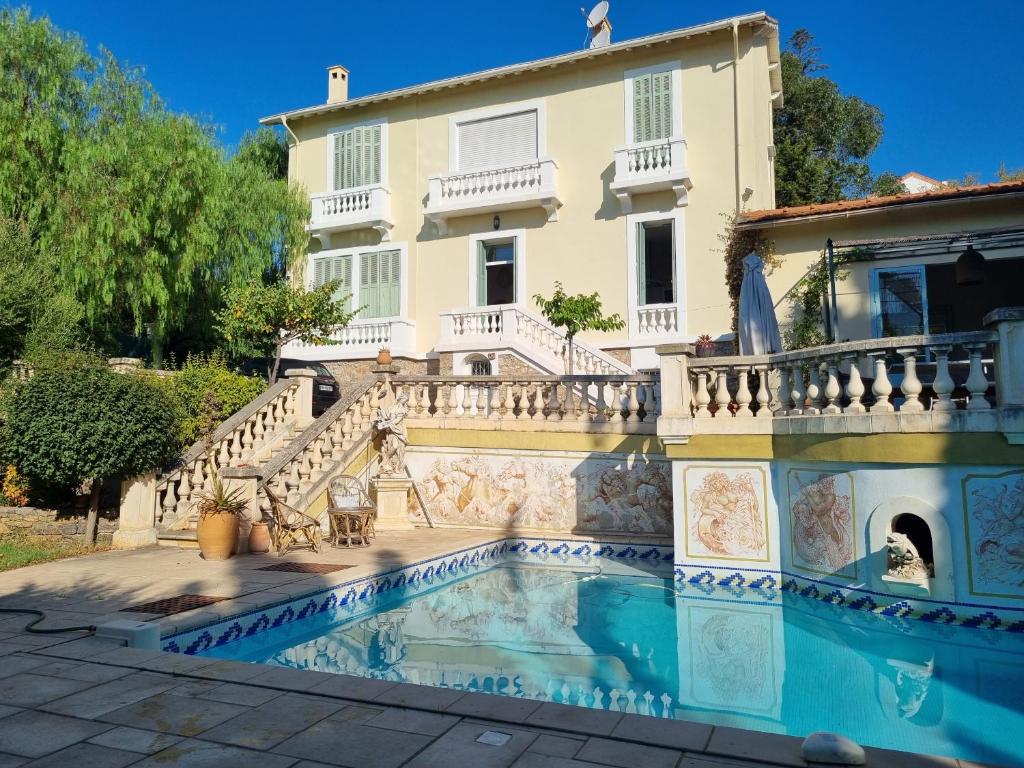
496,273
380,284
655,248
357,157
498,142
652,106
330,268
899,302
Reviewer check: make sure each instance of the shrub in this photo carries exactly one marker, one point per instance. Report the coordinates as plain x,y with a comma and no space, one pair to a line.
76,426
14,489
205,379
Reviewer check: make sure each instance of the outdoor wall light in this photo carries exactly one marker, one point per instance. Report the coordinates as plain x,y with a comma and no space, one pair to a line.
970,267
496,222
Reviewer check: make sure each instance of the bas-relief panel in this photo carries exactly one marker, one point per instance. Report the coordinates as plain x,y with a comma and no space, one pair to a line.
552,493
822,522
726,513
994,520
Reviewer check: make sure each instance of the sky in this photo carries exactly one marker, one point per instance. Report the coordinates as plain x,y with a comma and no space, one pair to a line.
945,73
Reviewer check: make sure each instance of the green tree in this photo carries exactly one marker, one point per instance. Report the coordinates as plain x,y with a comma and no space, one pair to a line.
575,314
267,149
259,319
887,184
822,138
75,425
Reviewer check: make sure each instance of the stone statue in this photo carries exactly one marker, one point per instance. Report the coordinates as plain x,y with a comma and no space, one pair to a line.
388,422
904,561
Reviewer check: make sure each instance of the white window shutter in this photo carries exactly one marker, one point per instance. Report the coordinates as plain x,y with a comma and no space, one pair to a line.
319,269
498,142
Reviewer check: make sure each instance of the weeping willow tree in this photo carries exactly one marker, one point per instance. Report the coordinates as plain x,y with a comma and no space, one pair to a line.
145,219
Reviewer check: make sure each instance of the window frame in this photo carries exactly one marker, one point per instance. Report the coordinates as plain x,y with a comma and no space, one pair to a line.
876,296
633,220
676,68
500,110
479,241
403,286
329,153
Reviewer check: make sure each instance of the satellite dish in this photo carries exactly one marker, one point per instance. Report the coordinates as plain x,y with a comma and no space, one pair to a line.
600,27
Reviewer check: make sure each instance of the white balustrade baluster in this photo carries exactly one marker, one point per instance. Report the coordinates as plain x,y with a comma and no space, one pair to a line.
481,401
569,402
764,395
814,389
452,408
508,407
832,389
601,414
346,431
911,384
538,403
583,407
616,402
650,406
554,407
743,396
796,381
293,481
977,384
854,387
722,396
881,387
702,397
633,404
494,402
943,384
785,393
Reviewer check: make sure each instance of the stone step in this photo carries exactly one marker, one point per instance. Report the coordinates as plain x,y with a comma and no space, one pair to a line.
186,539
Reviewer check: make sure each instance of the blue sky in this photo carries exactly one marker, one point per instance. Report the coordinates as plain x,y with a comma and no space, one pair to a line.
946,74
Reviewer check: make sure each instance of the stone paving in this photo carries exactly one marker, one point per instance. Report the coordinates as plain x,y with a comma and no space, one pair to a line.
88,702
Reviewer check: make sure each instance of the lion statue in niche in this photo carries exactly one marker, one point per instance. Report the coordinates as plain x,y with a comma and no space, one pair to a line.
904,560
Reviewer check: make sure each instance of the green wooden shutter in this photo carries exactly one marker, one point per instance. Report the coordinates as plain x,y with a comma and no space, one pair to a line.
357,157
319,268
375,147
642,108
661,105
341,269
390,291
369,284
641,264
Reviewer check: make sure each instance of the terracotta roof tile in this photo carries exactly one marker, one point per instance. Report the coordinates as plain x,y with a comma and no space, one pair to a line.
867,203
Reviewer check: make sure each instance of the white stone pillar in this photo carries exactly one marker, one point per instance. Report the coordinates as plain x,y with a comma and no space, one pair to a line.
392,503
136,524
304,395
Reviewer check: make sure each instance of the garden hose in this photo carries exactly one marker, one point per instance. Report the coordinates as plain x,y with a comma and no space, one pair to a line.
40,616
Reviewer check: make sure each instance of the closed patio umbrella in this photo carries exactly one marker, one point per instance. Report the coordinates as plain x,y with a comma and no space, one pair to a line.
758,328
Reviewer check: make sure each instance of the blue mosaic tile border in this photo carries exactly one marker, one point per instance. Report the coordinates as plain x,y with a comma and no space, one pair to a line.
360,595
767,585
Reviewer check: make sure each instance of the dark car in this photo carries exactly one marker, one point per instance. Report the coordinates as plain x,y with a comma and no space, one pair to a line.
325,386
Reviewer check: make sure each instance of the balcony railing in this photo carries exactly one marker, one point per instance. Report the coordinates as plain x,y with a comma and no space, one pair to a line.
497,189
361,339
657,320
359,208
953,382
650,166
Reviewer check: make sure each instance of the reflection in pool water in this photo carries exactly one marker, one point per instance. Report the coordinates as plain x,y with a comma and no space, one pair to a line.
636,644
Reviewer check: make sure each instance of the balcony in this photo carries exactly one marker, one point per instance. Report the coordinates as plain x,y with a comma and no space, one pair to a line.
360,340
651,166
357,208
497,189
657,321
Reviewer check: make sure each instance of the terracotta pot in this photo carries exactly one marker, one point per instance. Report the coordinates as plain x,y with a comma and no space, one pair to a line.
384,357
259,538
218,536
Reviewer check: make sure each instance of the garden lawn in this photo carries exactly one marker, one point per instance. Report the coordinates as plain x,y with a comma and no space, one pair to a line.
20,550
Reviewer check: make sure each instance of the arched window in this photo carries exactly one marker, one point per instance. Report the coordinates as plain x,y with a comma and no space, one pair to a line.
480,366
917,530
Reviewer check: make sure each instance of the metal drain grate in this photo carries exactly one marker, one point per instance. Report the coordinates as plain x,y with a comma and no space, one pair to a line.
305,567
178,604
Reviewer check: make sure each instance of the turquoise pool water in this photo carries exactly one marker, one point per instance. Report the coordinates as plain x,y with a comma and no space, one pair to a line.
635,643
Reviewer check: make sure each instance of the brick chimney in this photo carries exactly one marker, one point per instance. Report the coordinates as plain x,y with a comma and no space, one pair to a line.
337,84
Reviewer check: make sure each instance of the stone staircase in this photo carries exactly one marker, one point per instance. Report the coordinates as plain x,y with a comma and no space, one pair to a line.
515,329
275,440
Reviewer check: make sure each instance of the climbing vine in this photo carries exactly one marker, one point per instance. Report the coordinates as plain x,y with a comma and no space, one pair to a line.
738,243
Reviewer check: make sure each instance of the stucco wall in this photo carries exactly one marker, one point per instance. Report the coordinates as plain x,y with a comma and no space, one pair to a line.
586,247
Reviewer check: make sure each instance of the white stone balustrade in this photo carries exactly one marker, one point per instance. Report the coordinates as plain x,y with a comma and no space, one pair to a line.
937,383
657,320
360,339
512,327
344,209
583,403
650,166
495,189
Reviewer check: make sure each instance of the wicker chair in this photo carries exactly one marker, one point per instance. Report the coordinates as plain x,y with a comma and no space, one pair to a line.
351,511
292,529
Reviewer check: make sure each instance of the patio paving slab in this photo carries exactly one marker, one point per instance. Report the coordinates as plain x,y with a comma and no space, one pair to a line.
33,734
413,721
107,697
193,753
271,723
556,746
15,665
460,747
6,710
494,707
535,760
84,755
135,739
627,755
28,690
12,761
594,721
84,671
166,713
233,693
676,734
353,745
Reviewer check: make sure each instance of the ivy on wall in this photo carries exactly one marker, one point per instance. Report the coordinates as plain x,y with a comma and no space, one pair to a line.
738,243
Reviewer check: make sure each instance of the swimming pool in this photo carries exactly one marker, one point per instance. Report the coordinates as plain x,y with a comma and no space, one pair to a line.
630,639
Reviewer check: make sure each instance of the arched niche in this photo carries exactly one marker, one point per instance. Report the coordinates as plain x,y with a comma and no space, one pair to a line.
926,528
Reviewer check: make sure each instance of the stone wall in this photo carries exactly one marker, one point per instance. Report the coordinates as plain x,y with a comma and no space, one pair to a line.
350,370
513,365
68,525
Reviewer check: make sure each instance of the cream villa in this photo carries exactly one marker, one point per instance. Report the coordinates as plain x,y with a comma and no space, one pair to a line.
443,208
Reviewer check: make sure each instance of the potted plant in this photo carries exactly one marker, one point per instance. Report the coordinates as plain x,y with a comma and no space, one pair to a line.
705,345
219,510
384,356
